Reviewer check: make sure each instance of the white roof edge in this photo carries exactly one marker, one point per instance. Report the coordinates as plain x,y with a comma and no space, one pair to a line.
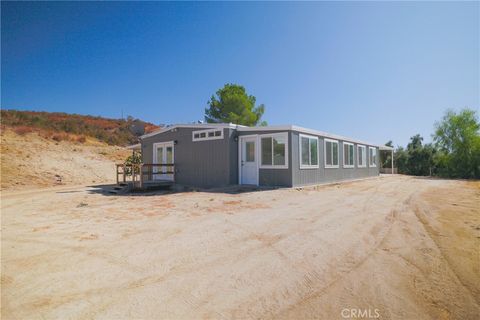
134,146
309,131
192,125
266,128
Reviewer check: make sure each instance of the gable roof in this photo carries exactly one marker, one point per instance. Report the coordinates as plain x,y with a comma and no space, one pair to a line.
192,125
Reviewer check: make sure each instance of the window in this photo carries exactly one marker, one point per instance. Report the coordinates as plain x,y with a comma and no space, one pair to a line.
348,155
308,151
331,153
274,150
209,134
362,156
250,154
372,156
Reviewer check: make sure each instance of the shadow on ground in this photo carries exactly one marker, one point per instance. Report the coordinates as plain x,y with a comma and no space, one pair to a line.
106,190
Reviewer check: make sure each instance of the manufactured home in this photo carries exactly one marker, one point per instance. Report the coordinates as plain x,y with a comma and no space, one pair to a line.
215,155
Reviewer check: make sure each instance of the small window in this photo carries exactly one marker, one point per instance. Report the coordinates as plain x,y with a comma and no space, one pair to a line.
331,153
274,151
348,155
372,156
361,156
209,134
308,152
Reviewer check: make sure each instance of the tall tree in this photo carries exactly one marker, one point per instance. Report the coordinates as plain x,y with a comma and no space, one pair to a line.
401,160
232,104
420,157
457,136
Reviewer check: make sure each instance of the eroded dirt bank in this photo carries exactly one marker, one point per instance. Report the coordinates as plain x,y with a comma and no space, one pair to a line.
30,161
407,248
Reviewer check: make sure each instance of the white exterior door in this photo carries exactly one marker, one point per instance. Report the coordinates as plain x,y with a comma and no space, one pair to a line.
163,153
248,160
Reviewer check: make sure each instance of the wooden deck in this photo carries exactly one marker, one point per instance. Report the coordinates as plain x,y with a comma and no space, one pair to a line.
145,176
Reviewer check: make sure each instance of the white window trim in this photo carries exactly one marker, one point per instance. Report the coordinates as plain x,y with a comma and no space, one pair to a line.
257,156
364,160
163,144
206,135
328,166
272,135
308,166
375,164
344,164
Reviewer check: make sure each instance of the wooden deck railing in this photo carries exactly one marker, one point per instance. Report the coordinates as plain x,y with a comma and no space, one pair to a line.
138,174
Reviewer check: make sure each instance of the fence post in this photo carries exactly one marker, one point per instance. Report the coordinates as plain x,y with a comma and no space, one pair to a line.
141,175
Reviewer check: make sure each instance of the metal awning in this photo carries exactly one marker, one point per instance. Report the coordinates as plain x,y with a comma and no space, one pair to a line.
385,148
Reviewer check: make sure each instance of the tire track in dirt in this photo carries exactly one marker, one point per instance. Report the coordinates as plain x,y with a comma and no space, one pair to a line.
430,232
390,219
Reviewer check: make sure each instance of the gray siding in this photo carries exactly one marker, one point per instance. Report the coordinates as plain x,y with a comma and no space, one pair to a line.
214,163
200,163
273,177
301,177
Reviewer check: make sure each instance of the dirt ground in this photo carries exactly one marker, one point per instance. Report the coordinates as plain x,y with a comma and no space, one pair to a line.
398,247
30,161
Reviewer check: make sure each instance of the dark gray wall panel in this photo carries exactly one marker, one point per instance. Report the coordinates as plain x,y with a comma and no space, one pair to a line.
201,163
275,177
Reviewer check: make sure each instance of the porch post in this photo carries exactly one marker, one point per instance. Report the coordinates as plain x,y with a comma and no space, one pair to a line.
392,161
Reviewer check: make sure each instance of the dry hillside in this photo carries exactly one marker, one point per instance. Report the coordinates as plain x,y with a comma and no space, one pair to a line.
30,160
61,126
40,149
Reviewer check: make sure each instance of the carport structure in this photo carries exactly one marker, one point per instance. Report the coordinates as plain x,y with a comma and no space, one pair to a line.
385,150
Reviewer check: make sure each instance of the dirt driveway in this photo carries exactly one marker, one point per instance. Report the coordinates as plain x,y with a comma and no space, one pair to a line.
399,247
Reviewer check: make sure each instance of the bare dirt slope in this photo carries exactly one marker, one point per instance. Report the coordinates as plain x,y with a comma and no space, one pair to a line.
407,248
30,160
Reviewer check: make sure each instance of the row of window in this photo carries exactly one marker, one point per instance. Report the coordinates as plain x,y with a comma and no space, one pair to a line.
209,134
274,149
332,154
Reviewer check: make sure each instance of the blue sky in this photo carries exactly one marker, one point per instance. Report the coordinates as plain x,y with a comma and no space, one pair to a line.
374,71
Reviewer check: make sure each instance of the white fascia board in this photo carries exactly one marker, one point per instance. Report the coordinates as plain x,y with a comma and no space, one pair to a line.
194,126
307,131
134,146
